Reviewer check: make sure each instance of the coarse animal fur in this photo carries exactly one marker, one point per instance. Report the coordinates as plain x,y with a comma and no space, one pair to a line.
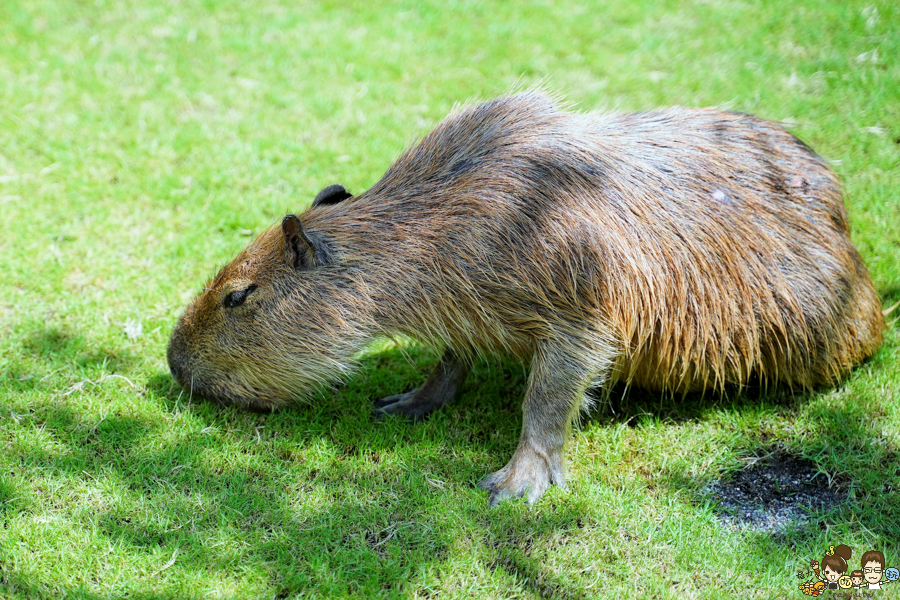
674,250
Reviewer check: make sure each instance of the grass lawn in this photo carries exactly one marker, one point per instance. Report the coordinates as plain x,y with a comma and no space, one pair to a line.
143,143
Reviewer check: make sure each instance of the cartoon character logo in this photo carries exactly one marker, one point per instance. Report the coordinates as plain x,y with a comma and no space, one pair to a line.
831,573
834,565
813,589
873,567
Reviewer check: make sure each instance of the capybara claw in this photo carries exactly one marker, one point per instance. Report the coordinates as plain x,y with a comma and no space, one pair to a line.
531,491
402,404
388,401
497,491
513,482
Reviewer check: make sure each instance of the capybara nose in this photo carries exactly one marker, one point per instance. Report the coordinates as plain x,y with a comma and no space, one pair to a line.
172,358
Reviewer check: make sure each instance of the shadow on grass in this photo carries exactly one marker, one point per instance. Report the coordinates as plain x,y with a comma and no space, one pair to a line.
324,496
857,460
852,454
344,520
57,345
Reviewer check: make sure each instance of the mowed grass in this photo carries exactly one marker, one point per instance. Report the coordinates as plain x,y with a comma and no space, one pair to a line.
142,144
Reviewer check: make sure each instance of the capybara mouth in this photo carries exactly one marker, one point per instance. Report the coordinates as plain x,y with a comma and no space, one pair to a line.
199,389
193,386
210,394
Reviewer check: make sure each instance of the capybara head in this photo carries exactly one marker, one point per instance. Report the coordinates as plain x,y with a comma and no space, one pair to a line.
239,342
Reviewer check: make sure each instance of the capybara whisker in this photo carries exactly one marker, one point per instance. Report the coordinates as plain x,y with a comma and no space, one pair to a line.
676,250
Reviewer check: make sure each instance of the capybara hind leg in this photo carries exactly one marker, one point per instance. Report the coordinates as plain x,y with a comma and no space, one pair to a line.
555,391
442,386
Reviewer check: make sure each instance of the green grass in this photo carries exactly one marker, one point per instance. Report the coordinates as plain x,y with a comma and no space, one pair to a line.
142,143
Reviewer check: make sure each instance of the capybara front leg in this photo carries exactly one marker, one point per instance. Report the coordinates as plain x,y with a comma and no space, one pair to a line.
442,386
555,391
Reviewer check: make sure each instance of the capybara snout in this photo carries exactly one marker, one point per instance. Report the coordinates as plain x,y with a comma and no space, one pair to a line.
678,250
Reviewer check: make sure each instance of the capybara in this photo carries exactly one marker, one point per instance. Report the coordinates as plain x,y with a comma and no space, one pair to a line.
674,250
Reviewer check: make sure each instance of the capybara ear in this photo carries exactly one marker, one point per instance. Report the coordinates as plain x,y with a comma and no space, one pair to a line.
302,249
332,195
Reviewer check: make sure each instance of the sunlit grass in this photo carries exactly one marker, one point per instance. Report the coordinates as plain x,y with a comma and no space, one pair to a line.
142,144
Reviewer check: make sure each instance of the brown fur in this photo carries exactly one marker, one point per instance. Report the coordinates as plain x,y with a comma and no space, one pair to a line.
675,250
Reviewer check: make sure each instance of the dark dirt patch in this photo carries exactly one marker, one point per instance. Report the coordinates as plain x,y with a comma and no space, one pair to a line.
772,493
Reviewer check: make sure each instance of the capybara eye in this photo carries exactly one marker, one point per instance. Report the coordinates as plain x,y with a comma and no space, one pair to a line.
237,297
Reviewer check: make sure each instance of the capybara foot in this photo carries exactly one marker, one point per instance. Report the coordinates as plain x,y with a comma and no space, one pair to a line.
413,405
529,473
442,386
